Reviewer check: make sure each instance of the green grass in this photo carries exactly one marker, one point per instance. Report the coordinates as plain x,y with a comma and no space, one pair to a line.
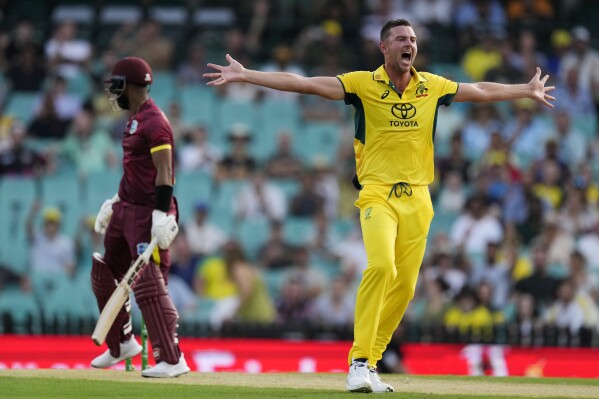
36,384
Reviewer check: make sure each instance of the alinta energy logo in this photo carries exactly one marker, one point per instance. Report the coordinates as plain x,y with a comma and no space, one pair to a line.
403,112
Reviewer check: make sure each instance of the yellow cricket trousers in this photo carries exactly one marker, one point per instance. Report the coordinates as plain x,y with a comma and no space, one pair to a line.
395,221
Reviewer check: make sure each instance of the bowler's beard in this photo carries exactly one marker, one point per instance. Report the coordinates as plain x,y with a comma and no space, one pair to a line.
123,102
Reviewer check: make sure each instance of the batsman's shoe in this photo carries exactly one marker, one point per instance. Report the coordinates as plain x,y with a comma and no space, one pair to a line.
379,386
165,370
128,349
358,378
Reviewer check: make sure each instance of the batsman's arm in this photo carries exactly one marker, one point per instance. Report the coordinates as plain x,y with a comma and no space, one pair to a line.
324,86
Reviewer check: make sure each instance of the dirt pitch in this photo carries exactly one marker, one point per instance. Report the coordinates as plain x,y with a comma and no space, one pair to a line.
425,385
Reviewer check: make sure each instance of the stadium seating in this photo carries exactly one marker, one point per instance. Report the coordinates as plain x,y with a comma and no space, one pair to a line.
23,309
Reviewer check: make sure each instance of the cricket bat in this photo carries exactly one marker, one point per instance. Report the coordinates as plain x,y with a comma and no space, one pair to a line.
120,295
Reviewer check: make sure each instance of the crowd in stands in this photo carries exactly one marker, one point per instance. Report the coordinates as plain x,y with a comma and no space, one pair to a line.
269,233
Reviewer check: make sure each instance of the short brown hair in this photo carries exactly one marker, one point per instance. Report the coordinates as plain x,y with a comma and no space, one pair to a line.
392,24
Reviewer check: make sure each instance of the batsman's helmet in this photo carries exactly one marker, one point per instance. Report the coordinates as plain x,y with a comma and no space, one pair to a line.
128,70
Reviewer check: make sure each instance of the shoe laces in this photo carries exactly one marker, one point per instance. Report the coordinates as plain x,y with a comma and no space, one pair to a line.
375,375
360,367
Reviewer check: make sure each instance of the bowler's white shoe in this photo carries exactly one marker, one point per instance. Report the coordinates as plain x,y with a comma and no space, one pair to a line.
128,349
358,378
379,386
165,370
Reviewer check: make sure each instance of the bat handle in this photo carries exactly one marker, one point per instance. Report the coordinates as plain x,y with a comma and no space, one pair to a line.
148,252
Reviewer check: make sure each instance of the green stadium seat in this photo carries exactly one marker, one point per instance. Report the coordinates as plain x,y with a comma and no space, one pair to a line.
298,231
198,106
163,89
252,234
586,124
62,190
23,308
318,142
190,188
20,105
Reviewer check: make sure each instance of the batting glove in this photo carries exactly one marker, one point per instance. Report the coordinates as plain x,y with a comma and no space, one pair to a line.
105,214
164,228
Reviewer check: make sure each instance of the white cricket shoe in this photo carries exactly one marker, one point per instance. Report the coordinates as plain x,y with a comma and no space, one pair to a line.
165,370
379,386
358,378
128,349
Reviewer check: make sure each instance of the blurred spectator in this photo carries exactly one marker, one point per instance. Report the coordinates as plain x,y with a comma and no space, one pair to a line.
276,252
26,71
214,283
203,237
483,120
283,163
47,123
239,163
282,60
550,187
576,216
351,252
532,223
51,250
197,154
87,242
478,13
540,285
468,316
560,44
335,307
572,98
66,105
475,227
588,245
324,38
23,36
178,125
529,12
482,57
326,184
255,304
192,68
584,58
444,269
87,148
18,159
493,271
557,241
528,57
324,239
527,132
302,267
455,160
565,312
528,324
452,195
571,144
436,300
153,46
294,305
67,54
508,71
585,282
184,263
307,202
259,198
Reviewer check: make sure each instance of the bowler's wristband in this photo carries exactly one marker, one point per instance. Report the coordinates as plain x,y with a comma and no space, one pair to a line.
163,198
356,182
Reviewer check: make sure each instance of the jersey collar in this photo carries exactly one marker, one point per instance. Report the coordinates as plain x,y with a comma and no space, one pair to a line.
381,75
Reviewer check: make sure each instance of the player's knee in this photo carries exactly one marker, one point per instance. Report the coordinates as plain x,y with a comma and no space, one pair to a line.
101,277
383,270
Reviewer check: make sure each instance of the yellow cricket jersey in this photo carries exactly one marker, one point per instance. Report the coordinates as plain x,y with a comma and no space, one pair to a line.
394,132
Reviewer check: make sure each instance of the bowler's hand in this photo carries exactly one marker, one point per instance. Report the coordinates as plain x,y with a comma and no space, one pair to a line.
538,89
230,73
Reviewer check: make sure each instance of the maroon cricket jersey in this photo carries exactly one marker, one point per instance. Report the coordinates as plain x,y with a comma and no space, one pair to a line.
147,131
